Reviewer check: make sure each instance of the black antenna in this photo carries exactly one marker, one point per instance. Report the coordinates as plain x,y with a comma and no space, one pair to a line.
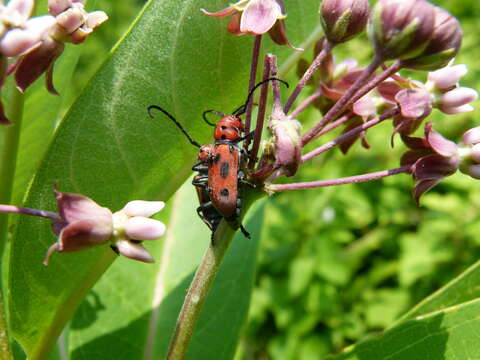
204,115
243,108
149,110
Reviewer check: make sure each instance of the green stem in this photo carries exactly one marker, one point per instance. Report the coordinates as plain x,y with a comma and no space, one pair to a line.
7,175
202,283
8,160
198,291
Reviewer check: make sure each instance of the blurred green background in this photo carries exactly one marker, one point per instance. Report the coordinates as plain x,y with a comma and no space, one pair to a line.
340,263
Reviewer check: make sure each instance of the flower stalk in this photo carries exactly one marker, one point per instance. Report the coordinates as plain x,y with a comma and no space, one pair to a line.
308,75
341,104
262,107
339,181
251,83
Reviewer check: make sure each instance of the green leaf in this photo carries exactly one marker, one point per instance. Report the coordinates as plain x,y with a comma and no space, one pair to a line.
448,334
463,288
149,305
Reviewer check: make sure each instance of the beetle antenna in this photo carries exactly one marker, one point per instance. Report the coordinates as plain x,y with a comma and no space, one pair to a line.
241,110
151,107
204,115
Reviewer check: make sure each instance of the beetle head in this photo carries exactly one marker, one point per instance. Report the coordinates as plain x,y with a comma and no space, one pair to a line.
228,128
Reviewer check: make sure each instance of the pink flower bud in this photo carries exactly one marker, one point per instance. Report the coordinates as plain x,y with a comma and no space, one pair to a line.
443,45
401,28
343,19
288,143
142,228
133,251
472,136
447,77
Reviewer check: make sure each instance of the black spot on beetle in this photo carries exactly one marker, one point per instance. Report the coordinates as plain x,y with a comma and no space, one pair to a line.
224,192
217,158
224,169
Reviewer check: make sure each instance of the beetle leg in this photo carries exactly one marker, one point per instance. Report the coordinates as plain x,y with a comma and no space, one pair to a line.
200,167
244,232
201,181
201,213
248,136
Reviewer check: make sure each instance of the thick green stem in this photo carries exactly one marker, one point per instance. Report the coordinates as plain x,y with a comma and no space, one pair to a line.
202,283
198,291
7,175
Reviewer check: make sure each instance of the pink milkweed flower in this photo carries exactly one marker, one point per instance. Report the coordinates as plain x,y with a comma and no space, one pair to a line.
69,22
256,17
431,159
83,224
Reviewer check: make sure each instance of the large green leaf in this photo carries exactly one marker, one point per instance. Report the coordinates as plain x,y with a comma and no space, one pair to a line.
449,334
149,305
463,288
107,148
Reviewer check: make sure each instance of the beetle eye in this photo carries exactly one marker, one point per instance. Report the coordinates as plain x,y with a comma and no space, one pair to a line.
224,128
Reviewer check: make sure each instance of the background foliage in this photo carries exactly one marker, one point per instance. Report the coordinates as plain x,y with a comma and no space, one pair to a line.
334,265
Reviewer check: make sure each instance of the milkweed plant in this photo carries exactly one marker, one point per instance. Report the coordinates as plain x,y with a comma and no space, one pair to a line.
75,161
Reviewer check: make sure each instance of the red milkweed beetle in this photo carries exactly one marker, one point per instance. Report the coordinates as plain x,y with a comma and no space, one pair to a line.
221,167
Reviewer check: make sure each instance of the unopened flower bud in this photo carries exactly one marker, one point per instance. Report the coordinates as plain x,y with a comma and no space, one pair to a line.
343,19
401,29
443,46
288,143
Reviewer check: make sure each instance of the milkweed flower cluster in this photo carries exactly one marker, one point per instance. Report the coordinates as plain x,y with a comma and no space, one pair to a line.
410,34
81,224
36,43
